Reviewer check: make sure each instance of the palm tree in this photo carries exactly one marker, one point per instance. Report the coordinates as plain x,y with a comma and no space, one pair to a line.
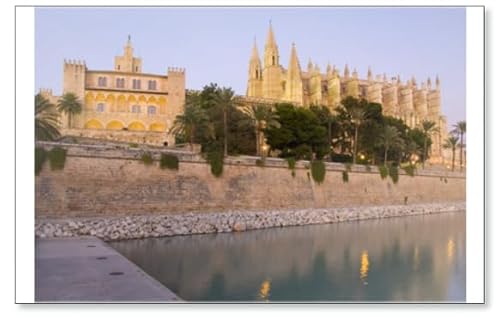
70,105
357,117
428,127
390,138
460,129
261,116
451,143
193,119
225,99
46,119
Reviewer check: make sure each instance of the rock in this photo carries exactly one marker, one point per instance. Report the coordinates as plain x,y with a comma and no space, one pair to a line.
239,227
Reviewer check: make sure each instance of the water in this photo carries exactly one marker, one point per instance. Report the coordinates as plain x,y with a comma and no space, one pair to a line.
417,258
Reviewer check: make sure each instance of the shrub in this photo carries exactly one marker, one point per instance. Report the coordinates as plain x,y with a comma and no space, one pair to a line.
216,161
318,171
345,176
348,166
133,145
394,173
383,172
40,157
57,158
291,163
147,158
293,173
410,170
169,162
341,157
260,162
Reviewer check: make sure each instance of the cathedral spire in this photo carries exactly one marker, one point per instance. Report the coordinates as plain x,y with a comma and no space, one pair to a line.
369,75
255,51
271,41
346,71
271,54
294,60
438,83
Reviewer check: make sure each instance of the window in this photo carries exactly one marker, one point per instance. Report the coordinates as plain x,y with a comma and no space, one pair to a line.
136,109
136,84
273,60
100,108
151,110
101,81
152,85
118,67
120,82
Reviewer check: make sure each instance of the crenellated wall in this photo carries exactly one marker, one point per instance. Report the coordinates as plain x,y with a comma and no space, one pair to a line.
106,181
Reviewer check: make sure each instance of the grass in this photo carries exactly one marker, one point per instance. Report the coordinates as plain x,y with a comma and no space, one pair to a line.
57,158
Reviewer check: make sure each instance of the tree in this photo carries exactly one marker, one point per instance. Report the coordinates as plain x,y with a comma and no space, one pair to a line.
460,129
194,120
451,143
358,115
428,127
299,134
70,105
46,119
389,138
225,100
261,116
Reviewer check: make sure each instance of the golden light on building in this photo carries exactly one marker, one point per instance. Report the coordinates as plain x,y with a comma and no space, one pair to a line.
450,249
416,258
365,265
265,290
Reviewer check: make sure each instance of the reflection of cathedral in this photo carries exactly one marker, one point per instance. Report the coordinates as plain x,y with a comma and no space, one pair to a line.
408,101
124,103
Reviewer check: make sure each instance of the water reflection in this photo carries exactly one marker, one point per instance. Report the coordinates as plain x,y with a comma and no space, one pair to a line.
419,258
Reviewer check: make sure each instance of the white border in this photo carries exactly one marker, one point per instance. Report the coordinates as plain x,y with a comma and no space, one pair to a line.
475,154
24,153
25,140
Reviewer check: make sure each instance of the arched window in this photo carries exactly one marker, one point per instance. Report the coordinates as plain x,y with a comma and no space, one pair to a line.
151,110
100,108
256,73
273,60
136,109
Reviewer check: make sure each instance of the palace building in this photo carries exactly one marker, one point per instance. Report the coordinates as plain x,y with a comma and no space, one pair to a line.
270,81
123,104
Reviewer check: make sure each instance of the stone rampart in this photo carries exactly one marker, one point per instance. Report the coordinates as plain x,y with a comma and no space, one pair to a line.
100,180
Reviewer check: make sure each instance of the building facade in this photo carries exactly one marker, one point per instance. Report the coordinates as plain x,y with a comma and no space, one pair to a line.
123,104
269,80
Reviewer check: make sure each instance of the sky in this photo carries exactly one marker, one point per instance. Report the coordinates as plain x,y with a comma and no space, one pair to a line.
214,44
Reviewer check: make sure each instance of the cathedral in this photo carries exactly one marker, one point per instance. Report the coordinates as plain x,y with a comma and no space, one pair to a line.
269,81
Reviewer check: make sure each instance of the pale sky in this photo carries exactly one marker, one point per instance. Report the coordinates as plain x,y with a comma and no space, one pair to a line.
214,43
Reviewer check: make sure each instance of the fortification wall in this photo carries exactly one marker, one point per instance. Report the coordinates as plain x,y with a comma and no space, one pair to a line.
101,181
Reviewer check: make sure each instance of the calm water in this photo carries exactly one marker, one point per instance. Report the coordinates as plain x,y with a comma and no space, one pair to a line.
419,258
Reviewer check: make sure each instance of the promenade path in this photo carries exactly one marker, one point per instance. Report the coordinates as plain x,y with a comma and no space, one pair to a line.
85,269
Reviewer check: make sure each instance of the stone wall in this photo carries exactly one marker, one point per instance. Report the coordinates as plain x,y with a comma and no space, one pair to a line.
100,181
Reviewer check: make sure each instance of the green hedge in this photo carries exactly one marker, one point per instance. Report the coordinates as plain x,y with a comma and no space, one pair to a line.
169,162
318,171
40,158
394,173
147,158
383,172
216,161
410,170
345,176
57,158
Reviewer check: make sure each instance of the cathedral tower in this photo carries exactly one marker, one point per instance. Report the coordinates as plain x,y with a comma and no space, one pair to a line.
254,87
127,62
271,75
293,88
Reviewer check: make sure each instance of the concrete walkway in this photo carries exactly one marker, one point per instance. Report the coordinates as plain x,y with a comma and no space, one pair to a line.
86,269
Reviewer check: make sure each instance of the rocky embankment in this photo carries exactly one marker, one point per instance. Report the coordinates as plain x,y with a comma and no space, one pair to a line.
144,226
